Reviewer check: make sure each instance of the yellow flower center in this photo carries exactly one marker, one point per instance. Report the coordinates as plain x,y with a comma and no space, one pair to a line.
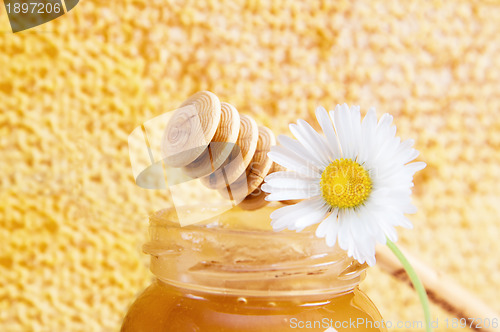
345,184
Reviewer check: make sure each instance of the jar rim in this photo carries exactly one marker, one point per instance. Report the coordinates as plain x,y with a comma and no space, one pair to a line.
167,217
239,251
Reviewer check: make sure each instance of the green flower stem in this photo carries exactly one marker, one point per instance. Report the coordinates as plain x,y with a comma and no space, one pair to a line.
419,287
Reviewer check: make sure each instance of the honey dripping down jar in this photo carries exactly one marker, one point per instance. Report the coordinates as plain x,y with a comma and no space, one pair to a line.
229,271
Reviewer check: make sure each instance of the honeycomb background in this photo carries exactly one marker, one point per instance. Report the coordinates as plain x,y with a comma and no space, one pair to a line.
72,221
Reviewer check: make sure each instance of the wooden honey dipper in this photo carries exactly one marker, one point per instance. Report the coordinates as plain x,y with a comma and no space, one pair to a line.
226,150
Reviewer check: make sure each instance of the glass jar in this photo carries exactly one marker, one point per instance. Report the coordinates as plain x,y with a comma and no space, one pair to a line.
234,273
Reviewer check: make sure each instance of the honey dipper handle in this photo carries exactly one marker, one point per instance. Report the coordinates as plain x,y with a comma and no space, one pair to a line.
442,290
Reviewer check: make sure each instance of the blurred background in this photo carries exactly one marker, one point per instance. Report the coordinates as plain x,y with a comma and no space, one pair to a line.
72,221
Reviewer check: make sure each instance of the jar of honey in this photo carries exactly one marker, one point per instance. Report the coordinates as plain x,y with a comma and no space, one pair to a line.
234,273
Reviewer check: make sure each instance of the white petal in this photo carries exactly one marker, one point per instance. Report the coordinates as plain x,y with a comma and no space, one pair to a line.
291,182
381,218
372,226
290,175
371,260
399,155
321,231
406,223
394,197
309,204
302,215
344,230
405,149
388,230
289,160
368,128
327,126
311,140
355,117
287,194
354,235
406,144
383,138
395,217
412,154
385,149
331,229
287,220
323,228
399,177
408,208
298,149
340,117
315,217
361,243
385,122
415,167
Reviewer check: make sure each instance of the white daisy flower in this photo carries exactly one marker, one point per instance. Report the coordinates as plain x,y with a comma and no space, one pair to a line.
355,181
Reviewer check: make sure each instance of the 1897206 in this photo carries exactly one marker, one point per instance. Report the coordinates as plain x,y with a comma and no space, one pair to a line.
26,14
33,7
472,323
